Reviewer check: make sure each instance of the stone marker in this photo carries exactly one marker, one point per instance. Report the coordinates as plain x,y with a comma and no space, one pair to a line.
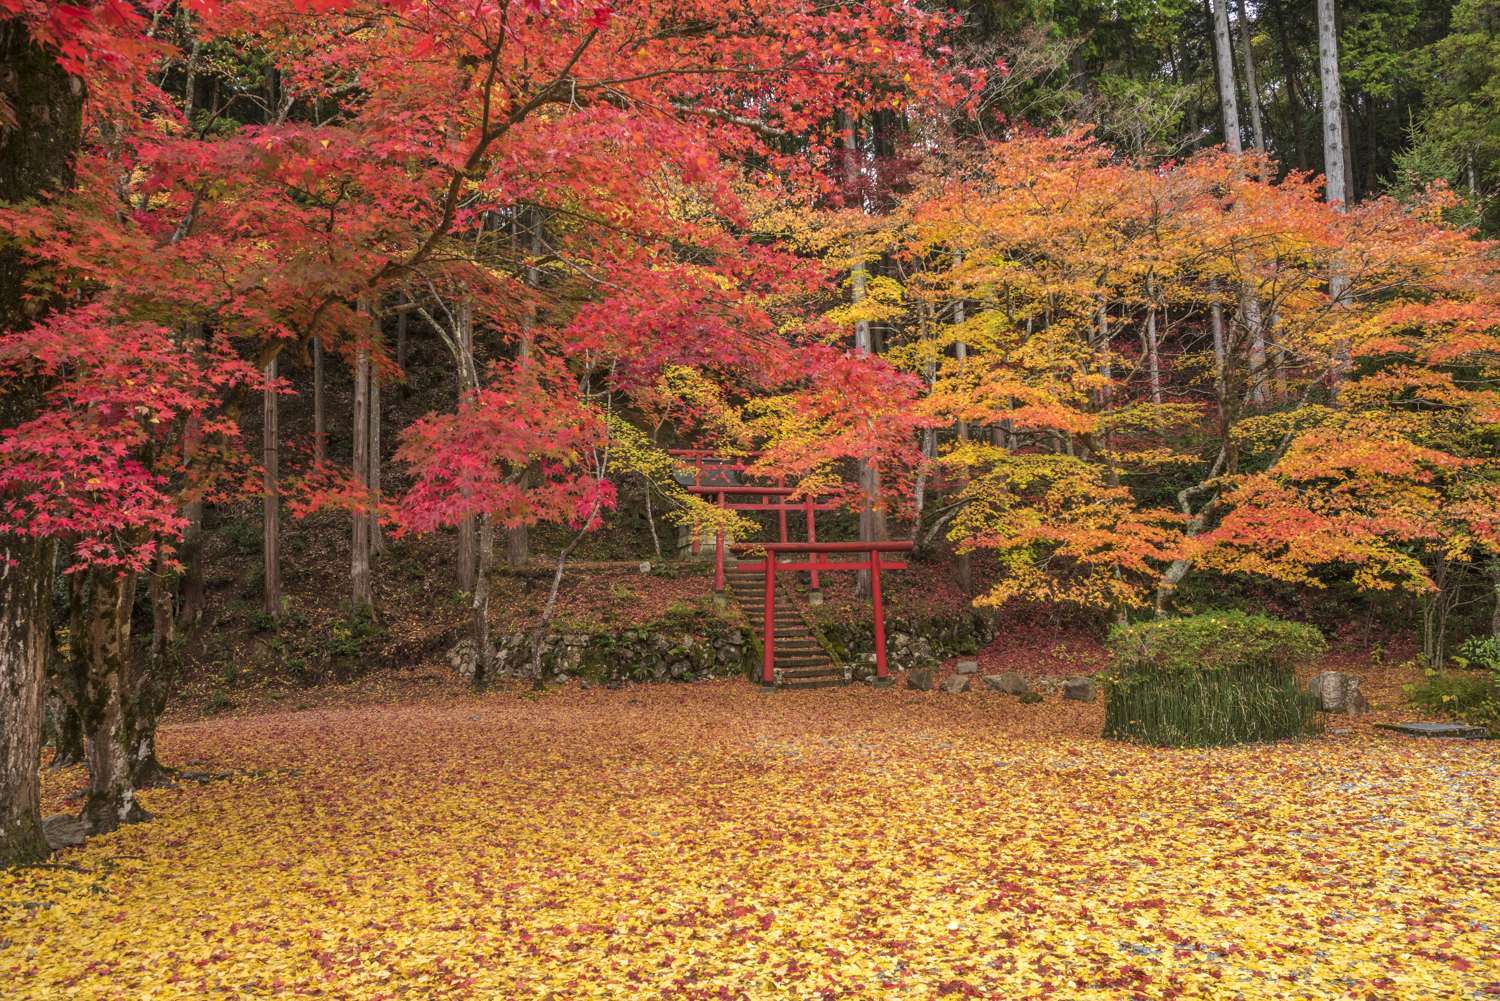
1462,730
1338,692
967,667
1079,689
1010,683
920,680
645,566
956,683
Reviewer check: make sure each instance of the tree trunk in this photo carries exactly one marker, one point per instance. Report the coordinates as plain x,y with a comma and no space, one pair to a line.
467,537
25,573
1333,103
320,422
1252,86
359,556
1153,357
377,538
484,651
147,692
870,528
1221,360
36,159
1335,166
1250,313
271,495
111,794
1224,63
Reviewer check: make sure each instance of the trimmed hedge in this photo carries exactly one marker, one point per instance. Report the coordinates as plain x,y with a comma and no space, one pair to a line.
1209,680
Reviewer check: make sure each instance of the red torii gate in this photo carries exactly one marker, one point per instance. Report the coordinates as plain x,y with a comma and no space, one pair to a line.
781,505
707,460
770,566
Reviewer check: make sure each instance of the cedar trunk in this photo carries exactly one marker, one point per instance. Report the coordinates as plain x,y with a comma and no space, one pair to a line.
1224,64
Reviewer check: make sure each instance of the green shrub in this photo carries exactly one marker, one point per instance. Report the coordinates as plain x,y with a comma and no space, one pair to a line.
1214,642
1471,696
1209,680
1479,651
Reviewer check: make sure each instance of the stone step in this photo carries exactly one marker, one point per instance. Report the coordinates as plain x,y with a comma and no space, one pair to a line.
810,678
804,663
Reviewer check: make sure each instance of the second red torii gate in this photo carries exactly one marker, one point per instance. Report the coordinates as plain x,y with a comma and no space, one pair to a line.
776,499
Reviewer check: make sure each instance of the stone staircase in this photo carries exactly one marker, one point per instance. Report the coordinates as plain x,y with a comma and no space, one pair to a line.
801,661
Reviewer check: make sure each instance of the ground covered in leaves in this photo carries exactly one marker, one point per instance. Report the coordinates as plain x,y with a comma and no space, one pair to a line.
710,841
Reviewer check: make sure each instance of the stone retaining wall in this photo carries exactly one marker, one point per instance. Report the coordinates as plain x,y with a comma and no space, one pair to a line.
673,649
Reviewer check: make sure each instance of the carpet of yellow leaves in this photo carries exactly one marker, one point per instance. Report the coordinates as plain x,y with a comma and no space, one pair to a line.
709,841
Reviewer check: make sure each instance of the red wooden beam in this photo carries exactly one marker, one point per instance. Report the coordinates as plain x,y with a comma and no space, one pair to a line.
897,546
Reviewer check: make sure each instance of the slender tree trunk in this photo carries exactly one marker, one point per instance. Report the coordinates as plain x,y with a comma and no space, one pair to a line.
1333,103
150,688
111,794
651,521
1224,63
377,537
1250,312
25,573
869,475
271,494
359,559
1153,357
320,420
1334,159
484,650
1221,359
467,539
1252,86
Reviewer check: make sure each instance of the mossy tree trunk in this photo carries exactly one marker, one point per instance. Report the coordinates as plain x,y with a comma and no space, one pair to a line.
36,158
